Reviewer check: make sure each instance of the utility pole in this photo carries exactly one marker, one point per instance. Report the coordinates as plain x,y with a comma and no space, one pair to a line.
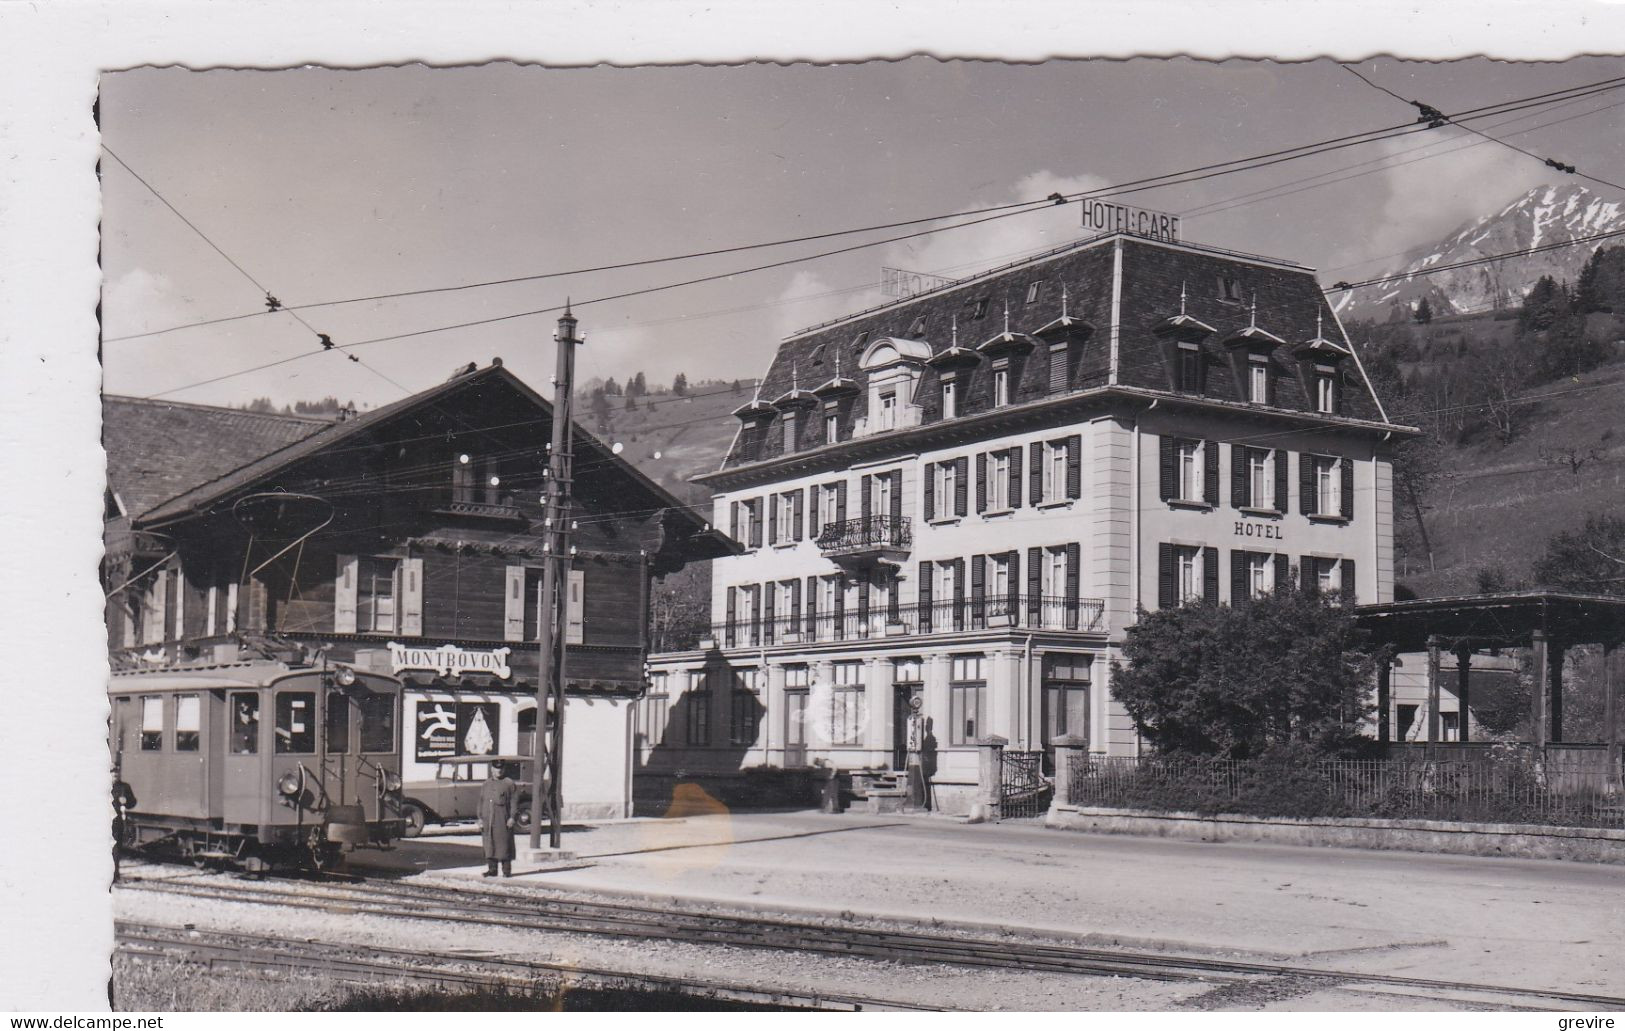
553,613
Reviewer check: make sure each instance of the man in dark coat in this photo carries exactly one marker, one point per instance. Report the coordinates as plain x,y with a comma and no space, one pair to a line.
498,799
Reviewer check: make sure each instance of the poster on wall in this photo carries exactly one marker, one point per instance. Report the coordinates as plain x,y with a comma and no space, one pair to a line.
457,728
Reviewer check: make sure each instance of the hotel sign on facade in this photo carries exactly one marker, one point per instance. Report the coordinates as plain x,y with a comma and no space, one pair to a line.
1105,217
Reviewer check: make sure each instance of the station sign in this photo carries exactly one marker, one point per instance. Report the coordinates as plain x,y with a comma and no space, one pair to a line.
1101,216
448,660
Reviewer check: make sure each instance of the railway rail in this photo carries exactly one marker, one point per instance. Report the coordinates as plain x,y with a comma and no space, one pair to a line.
532,910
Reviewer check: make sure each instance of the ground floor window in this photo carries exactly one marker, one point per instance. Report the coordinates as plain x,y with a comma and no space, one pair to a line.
967,699
746,717
653,710
1066,695
697,725
847,712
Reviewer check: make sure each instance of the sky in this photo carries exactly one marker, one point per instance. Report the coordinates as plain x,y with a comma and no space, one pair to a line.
334,184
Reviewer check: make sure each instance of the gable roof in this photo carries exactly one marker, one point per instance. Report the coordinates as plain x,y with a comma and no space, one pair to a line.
158,449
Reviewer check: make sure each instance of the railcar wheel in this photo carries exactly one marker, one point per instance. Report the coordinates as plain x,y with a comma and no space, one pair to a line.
521,817
413,818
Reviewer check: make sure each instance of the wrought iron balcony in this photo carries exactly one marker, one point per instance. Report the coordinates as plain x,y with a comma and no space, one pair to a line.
868,539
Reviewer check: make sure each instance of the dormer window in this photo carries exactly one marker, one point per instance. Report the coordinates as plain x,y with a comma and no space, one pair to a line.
1325,390
1034,290
1189,369
1001,387
789,420
832,427
817,356
1229,289
888,410
950,407
916,329
979,310
1258,380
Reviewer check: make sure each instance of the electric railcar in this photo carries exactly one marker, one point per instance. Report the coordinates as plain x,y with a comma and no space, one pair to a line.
257,763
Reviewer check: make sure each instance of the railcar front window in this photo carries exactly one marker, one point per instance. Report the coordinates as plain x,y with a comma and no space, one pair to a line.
296,723
245,723
378,723
338,722
152,723
188,722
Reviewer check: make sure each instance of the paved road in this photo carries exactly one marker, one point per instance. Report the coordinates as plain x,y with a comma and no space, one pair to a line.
1507,921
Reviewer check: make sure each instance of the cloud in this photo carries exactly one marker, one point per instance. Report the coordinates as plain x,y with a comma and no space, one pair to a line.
138,301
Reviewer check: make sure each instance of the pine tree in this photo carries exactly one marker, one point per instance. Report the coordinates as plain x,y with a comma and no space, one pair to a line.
612,388
637,387
1424,312
679,386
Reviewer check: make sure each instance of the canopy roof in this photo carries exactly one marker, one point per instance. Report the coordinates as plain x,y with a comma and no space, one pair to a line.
1495,620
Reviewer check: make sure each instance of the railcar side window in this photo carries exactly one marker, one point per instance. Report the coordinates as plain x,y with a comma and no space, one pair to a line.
152,723
296,722
188,722
245,723
377,723
338,722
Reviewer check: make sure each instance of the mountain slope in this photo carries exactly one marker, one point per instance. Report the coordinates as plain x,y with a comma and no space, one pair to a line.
1544,215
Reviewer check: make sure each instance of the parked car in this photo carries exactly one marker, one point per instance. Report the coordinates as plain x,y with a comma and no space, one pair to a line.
454,794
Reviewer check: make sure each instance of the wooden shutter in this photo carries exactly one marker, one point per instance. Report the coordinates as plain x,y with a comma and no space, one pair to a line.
1347,569
812,607
930,506
412,597
868,497
1012,587
513,605
1240,473
210,608
1057,367
1308,504
1283,572
1073,561
1280,480
865,587
772,501
1035,586
1210,472
1346,466
840,605
923,597
768,599
344,594
180,603
978,587
959,594
1035,472
733,521
1210,575
961,485
815,503
794,622
756,612
1167,577
733,617
1015,479
1074,466
1168,482
799,504
575,608
981,481
840,502
1238,577
1309,574
896,512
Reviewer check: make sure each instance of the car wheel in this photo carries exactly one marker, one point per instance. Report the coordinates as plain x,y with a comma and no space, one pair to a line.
413,818
521,818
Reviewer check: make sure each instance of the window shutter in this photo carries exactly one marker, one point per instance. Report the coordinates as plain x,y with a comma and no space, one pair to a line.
1210,472
773,518
1308,504
794,622
344,594
978,586
812,607
1074,466
959,594
930,506
209,611
768,592
1168,487
981,481
412,597
575,624
733,616
513,605
1057,368
1283,572
1073,561
961,485
1035,472
1348,580
1167,586
840,502
840,604
1347,468
1210,575
923,596
1015,479
1035,586
756,612
180,604
1240,472
1012,588
868,496
1280,480
1337,392
1309,574
733,521
865,586
896,497
815,504
1238,577
799,504
756,522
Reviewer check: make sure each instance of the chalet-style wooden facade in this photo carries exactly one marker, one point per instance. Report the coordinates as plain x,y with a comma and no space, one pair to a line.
404,540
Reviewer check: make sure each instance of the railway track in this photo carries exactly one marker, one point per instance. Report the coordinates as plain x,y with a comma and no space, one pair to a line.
531,910
465,970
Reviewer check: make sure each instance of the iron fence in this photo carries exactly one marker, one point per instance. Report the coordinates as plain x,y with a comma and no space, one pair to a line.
1024,791
1513,786
866,532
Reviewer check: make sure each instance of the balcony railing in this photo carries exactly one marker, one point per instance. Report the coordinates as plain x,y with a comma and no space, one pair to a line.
881,621
867,534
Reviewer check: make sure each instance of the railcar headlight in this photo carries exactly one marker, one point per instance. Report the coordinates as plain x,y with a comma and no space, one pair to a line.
288,786
392,782
345,676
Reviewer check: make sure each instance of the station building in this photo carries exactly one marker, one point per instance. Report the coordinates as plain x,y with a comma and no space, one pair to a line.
965,496
405,540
